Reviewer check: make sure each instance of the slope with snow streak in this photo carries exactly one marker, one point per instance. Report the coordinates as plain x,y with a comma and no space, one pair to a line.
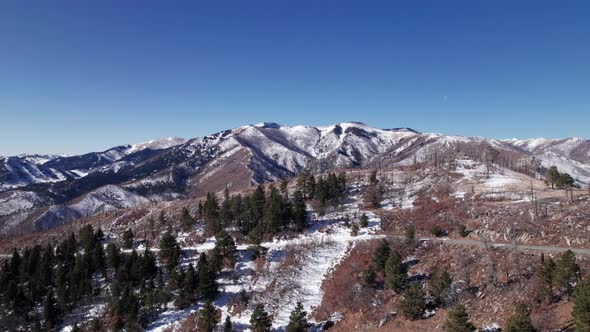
329,240
107,198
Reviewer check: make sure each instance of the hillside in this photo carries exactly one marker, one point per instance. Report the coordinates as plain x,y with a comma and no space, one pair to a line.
495,263
169,169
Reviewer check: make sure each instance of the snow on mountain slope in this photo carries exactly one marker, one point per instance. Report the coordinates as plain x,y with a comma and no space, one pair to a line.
16,205
23,170
263,152
574,147
107,198
579,171
156,144
18,171
18,201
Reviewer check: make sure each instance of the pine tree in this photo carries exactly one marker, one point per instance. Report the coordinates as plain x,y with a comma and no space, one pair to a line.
207,284
567,271
169,249
410,234
439,284
215,260
311,186
113,256
257,202
520,321
458,320
302,181
51,311
381,255
260,321
128,239
273,211
395,273
227,326
297,320
369,276
211,210
226,248
581,311
552,176
186,220
364,220
208,317
547,276
299,211
374,191
411,304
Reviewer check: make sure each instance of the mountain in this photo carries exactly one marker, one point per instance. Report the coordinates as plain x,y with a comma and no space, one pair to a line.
19,171
248,155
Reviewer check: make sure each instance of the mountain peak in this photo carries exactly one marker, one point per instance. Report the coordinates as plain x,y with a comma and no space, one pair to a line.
157,144
271,125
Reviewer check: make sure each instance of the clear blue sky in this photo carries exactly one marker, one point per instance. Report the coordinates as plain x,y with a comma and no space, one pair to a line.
76,77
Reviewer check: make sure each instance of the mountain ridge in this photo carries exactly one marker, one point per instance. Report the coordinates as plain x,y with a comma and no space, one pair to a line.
254,154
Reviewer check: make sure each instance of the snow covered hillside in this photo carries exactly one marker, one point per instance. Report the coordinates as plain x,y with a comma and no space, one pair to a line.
248,155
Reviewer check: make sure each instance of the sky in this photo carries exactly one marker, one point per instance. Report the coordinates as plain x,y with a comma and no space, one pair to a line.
81,76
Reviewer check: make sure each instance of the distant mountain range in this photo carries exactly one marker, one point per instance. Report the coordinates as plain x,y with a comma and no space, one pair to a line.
41,191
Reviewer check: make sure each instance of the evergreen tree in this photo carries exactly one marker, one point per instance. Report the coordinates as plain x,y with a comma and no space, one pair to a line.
458,320
520,321
227,326
381,255
215,260
547,276
273,211
311,187
566,271
113,256
186,220
299,211
297,320
395,273
581,311
128,305
211,210
257,202
128,239
207,284
169,249
411,304
260,321
208,317
552,176
439,284
364,220
565,181
51,311
369,276
227,249
302,181
410,234
374,191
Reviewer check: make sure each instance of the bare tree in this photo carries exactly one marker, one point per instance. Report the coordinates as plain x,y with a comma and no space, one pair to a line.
465,260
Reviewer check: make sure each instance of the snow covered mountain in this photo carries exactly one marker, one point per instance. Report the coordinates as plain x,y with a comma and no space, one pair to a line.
252,154
18,171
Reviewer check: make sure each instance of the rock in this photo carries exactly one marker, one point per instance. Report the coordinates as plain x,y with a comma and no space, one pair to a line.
388,317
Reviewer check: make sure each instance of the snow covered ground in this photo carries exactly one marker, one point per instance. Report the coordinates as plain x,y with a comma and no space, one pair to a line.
293,271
